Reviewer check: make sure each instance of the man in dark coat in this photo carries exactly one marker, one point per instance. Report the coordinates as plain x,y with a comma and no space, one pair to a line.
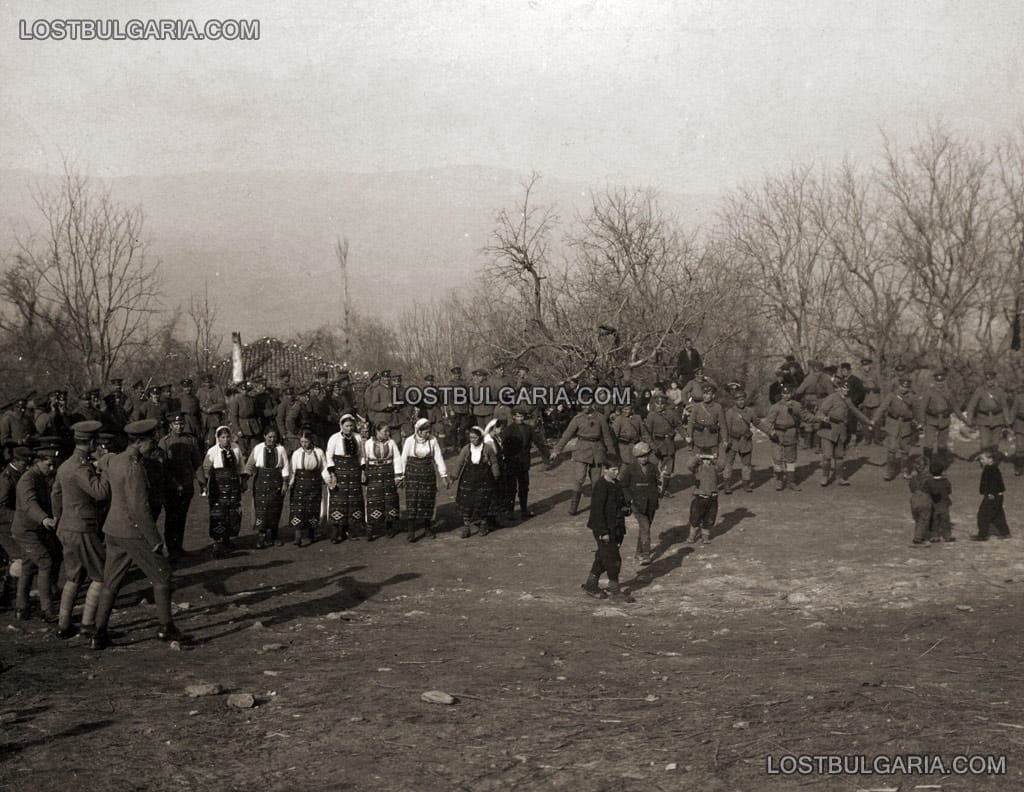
33,530
9,549
17,425
132,535
245,422
213,406
182,457
688,362
640,480
608,510
519,438
189,407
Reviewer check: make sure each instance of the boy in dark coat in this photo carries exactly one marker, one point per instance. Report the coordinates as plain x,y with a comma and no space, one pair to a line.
990,510
704,506
608,510
920,504
940,490
639,480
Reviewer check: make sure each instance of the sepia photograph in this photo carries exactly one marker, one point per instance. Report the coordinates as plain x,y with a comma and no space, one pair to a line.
588,395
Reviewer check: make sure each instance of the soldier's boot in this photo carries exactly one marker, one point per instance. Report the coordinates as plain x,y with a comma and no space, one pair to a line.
841,474
574,504
1018,465
464,533
727,482
92,601
67,606
261,540
615,592
428,526
8,587
890,467
592,589
100,639
780,480
908,467
162,600
824,473
748,485
791,483
411,537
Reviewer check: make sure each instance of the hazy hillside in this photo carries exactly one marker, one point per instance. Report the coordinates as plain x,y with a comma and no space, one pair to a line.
265,240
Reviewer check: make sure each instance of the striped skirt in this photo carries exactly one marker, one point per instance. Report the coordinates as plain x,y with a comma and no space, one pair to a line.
267,500
224,496
476,493
381,494
420,488
346,500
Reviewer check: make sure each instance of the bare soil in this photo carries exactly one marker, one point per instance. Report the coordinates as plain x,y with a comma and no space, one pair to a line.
809,625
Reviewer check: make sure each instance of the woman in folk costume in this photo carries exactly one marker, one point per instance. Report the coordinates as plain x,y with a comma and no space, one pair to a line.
421,455
223,480
269,470
308,466
477,472
384,474
505,486
344,475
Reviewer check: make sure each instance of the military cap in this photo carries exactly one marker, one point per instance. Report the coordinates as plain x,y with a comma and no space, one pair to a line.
207,377
322,374
397,375
187,382
289,390
733,385
905,382
709,386
344,376
706,457
457,370
243,385
641,449
138,384
105,436
24,453
86,430
523,408
141,428
315,385
47,446
900,368
845,365
831,370
175,417
866,361
385,373
480,372
941,374
110,398
90,393
428,377
117,380
375,377
787,389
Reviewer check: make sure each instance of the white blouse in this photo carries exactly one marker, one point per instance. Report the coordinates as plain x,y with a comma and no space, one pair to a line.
395,454
313,459
336,447
215,459
421,449
258,459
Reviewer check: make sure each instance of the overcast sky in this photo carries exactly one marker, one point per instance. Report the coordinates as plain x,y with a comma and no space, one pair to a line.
685,96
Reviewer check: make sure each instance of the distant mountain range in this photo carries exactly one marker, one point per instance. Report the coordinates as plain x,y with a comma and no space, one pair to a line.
265,240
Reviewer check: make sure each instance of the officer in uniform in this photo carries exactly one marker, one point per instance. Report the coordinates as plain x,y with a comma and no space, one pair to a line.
90,407
182,457
132,535
212,406
33,530
934,409
628,430
153,408
481,412
872,394
989,411
23,456
593,440
244,420
834,413
898,414
815,387
190,409
17,425
460,415
77,495
706,423
662,425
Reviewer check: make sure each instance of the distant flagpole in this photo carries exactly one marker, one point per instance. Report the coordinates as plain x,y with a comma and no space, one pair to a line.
341,251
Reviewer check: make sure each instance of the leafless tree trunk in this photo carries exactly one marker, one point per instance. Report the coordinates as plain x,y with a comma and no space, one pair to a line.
94,282
205,343
341,253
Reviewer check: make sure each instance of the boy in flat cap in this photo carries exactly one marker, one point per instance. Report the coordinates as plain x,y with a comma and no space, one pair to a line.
640,481
77,495
607,521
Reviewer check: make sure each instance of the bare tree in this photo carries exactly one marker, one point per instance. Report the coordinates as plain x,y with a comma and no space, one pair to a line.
206,343
341,253
1011,181
946,233
778,233
94,282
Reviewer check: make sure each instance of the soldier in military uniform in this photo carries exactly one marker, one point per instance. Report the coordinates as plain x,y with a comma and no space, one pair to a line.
739,422
834,412
132,535
934,408
77,495
17,425
182,458
898,414
461,415
113,417
481,412
662,425
379,405
190,409
815,387
213,405
706,423
153,408
90,407
782,425
593,440
989,411
793,371
246,423
33,530
628,430
1017,426
9,549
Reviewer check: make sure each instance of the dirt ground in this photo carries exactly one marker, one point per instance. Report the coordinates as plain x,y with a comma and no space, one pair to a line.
808,626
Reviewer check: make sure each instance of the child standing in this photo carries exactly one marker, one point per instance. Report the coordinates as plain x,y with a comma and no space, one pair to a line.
704,506
990,510
639,480
940,491
920,504
607,520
